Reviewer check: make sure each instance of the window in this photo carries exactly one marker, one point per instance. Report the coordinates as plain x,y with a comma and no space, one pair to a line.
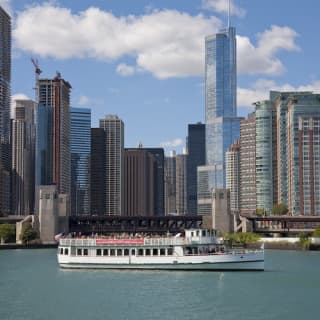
162,252
126,252
148,252
203,233
79,252
119,252
98,252
154,252
61,250
133,252
170,251
105,252
140,252
112,252
66,251
85,252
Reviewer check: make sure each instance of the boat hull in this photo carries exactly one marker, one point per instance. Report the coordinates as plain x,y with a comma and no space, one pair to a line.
227,262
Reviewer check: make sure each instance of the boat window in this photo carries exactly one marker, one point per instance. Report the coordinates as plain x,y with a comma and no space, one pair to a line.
105,252
85,252
140,252
112,252
162,252
126,252
148,252
119,252
133,252
197,233
61,250
79,252
203,233
155,252
192,234
98,252
170,251
66,251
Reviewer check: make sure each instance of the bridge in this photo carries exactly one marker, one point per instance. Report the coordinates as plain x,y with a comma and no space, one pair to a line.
108,224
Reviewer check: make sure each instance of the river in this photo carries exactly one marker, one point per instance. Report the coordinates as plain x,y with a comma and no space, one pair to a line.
33,287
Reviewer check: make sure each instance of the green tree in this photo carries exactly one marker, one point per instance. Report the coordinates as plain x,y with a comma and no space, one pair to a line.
260,212
316,232
8,232
27,233
243,238
304,241
280,209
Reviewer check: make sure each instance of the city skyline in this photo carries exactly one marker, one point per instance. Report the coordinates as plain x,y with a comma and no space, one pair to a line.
138,89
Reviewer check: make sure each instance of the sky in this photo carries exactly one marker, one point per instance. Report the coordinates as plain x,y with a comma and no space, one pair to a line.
144,59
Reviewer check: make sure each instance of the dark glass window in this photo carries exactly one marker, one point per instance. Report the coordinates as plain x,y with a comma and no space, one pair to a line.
98,252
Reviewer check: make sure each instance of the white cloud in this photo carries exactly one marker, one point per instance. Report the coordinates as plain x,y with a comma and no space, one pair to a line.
261,59
83,101
171,144
14,97
261,88
166,43
125,70
222,6
6,5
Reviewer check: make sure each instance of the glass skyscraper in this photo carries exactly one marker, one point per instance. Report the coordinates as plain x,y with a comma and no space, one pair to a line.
80,145
222,123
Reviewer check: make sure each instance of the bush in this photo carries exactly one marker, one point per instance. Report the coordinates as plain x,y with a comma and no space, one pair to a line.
316,232
244,238
8,232
28,233
280,209
304,241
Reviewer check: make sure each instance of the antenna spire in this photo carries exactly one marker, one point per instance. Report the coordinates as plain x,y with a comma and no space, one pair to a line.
229,9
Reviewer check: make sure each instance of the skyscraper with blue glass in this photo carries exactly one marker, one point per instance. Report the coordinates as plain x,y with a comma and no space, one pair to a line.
222,123
80,145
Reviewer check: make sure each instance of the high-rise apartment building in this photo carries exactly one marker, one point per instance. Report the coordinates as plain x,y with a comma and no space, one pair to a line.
80,146
23,158
196,157
98,171
248,165
170,183
114,129
222,123
139,182
181,183
158,155
55,94
5,78
233,175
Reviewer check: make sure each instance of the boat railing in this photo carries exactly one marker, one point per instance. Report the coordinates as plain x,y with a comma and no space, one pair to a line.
77,242
164,241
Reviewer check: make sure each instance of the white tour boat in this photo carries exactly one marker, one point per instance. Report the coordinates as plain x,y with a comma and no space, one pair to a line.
198,249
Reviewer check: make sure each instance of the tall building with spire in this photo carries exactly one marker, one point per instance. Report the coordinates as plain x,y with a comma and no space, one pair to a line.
5,78
222,123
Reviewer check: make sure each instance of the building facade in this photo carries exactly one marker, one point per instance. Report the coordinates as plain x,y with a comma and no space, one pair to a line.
196,157
23,158
5,80
98,171
181,183
233,175
170,183
248,165
114,177
80,146
139,182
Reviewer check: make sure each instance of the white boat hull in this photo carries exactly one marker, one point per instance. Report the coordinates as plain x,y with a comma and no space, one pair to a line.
239,261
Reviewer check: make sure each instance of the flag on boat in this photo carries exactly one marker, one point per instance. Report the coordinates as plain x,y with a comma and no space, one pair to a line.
57,237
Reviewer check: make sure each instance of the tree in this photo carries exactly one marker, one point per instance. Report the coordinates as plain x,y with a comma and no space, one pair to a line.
8,232
28,233
243,238
280,209
316,232
260,212
304,241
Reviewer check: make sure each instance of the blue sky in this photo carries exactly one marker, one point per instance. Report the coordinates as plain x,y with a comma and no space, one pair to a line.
144,60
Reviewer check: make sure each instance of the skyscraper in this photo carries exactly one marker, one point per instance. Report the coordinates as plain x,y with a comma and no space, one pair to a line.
114,129
5,78
196,157
222,123
98,171
55,94
80,146
23,158
139,182
170,183
181,183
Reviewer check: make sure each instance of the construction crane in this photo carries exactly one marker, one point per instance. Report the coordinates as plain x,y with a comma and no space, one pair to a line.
37,72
